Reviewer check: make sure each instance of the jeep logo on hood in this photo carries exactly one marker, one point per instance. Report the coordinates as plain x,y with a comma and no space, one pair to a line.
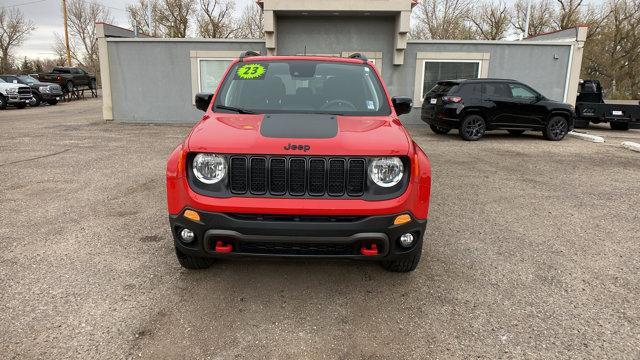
300,147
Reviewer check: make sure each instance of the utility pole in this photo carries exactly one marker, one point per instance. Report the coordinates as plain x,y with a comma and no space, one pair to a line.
526,23
66,31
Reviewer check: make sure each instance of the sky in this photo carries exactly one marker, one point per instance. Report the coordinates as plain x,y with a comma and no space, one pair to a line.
47,15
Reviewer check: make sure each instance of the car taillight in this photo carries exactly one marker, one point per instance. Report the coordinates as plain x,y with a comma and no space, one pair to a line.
58,77
452,99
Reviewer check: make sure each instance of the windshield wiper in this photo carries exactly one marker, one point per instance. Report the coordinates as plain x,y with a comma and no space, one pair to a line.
236,109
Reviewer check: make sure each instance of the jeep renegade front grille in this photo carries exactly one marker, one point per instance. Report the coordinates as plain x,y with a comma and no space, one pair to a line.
297,176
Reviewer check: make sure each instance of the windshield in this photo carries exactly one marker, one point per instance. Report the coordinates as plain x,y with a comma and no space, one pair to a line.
27,79
302,86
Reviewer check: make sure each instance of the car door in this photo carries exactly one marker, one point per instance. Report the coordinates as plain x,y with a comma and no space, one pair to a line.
497,100
526,108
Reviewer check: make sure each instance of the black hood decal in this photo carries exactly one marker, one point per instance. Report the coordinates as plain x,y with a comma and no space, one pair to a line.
299,126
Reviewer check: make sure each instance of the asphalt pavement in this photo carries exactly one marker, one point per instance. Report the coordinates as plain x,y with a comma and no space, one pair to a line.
532,251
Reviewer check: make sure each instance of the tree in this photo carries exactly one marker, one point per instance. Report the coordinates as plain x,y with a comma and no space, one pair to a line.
612,54
540,21
26,66
139,16
174,17
491,20
14,30
83,43
251,23
215,19
569,14
442,19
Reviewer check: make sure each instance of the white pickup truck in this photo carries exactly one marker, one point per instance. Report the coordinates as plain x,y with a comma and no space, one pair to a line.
17,95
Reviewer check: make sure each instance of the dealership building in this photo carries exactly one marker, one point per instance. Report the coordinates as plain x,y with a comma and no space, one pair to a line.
154,80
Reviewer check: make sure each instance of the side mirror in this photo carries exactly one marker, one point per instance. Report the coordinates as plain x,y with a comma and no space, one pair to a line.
402,104
203,100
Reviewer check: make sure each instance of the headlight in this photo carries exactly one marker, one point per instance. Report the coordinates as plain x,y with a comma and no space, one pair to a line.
44,89
386,171
12,91
209,168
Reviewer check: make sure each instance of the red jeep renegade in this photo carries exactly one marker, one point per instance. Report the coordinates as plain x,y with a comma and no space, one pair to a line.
299,156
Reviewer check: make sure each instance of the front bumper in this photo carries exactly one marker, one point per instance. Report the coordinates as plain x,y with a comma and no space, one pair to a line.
296,236
14,99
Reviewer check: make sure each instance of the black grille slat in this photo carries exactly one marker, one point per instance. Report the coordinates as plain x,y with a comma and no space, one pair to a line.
335,182
356,177
316,177
238,175
278,176
285,248
297,172
297,176
258,177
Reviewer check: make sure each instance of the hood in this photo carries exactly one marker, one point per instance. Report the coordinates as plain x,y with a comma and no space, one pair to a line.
299,134
6,85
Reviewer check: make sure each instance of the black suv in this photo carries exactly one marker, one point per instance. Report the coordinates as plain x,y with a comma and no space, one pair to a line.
474,106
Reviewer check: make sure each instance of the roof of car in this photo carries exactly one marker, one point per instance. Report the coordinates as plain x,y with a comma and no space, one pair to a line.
458,81
303,57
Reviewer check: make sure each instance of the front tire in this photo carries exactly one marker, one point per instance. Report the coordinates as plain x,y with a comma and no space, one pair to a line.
556,129
3,102
405,263
193,262
619,126
472,127
439,130
36,100
52,102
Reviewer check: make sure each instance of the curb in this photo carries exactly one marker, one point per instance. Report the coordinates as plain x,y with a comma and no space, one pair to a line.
587,137
631,146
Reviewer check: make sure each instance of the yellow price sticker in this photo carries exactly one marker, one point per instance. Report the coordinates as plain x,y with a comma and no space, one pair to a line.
250,71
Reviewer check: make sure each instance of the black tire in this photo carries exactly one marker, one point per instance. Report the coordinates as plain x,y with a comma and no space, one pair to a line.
21,105
404,264
92,84
556,129
439,130
472,127
37,100
52,102
619,126
516,132
3,102
70,86
193,262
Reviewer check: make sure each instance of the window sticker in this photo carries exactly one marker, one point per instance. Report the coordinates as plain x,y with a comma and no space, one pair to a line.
251,71
370,105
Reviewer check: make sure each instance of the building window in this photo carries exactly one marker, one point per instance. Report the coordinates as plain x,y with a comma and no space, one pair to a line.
435,71
210,72
432,67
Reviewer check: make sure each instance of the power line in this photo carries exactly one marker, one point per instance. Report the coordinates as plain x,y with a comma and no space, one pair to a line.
23,4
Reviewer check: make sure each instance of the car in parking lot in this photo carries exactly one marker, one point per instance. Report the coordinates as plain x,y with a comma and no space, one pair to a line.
474,106
69,78
14,94
299,156
40,91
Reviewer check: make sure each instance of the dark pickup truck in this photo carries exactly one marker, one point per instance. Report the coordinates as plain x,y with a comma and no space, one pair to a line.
69,78
591,108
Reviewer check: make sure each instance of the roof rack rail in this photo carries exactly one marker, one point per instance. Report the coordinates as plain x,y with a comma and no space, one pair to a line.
358,56
248,53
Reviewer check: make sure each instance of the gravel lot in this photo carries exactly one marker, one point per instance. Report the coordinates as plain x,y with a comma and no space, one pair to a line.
532,251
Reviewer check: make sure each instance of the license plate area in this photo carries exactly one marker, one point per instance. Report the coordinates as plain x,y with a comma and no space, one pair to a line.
616,113
433,101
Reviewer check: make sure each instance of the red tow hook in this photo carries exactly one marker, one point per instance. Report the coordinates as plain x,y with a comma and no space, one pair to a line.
221,247
372,251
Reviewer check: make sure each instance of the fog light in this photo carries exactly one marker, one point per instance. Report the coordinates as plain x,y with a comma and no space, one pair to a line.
188,235
406,240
